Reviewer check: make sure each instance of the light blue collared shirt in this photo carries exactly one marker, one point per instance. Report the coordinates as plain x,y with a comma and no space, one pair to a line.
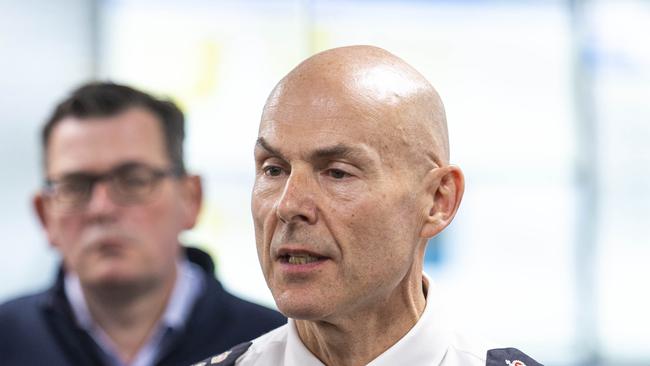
189,285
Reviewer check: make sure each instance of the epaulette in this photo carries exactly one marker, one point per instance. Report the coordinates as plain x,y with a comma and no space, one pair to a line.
227,358
509,357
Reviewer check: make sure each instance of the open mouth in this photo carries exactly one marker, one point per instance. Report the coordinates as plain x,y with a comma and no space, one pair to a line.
300,258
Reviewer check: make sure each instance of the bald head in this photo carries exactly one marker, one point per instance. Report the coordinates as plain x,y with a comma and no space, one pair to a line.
377,86
351,166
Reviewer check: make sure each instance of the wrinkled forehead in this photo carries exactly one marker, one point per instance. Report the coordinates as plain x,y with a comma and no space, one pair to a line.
331,129
324,110
375,106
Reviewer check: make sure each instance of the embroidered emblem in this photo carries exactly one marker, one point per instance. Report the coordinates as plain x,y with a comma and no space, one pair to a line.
503,357
515,363
223,356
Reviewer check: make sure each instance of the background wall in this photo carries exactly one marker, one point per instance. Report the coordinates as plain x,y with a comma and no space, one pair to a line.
46,48
548,117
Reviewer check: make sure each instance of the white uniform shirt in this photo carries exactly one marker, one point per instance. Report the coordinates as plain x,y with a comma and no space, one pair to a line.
430,342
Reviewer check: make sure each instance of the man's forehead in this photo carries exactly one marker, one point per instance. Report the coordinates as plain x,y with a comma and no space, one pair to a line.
338,131
373,100
322,104
363,92
99,144
321,114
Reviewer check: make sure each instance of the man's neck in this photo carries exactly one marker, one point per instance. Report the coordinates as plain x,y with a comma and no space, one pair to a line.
357,339
129,320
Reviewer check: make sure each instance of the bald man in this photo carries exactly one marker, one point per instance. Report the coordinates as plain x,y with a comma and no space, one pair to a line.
352,180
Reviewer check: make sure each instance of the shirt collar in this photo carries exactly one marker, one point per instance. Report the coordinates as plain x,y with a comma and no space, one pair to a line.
297,353
74,293
427,342
188,287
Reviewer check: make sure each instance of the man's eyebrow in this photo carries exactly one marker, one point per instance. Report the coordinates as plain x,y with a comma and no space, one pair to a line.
93,173
338,151
261,143
330,152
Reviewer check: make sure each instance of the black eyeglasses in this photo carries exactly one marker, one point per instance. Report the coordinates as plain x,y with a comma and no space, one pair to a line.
129,183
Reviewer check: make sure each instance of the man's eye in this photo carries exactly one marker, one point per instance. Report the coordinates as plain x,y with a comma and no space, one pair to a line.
133,179
73,187
337,173
272,171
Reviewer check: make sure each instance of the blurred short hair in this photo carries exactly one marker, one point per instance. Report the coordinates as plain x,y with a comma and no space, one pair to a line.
106,99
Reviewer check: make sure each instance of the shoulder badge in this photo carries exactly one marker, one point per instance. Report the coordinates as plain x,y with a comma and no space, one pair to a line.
509,357
227,358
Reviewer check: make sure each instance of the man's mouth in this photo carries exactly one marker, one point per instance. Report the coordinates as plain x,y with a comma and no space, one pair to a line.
299,258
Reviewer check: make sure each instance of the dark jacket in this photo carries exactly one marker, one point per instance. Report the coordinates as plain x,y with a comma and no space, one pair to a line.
40,329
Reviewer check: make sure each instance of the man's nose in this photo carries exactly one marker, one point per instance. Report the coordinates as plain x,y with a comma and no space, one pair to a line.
297,203
100,200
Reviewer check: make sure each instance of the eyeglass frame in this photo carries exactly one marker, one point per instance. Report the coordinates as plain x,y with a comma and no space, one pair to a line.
49,186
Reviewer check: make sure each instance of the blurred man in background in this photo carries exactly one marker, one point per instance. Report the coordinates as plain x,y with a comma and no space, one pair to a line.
115,198
353,178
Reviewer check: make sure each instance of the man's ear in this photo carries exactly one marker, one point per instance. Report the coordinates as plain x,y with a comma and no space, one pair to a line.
445,187
39,205
192,199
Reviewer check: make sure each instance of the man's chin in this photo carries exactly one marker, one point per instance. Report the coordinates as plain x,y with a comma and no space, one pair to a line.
109,279
302,310
114,280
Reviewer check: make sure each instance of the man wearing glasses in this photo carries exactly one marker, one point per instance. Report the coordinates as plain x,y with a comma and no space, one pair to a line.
115,198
